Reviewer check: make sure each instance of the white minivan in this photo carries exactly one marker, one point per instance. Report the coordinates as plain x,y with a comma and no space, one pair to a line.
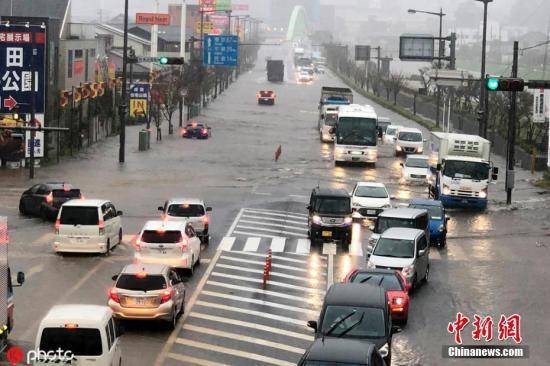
409,141
87,226
86,335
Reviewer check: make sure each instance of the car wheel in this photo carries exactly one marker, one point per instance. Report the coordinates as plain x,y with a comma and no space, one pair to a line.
198,259
414,283
171,323
182,307
427,277
44,214
120,236
192,267
108,249
443,242
404,321
22,209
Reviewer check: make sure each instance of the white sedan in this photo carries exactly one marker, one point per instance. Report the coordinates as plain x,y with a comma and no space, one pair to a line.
368,199
416,169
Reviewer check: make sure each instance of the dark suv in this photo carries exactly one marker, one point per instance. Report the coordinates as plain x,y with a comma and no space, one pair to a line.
329,216
45,199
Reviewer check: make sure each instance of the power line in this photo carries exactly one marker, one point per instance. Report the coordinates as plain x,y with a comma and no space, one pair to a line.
535,46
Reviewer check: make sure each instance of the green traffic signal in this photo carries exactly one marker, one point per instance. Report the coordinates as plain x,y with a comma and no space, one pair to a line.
492,84
163,60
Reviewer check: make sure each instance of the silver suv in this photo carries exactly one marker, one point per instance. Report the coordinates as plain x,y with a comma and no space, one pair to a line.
192,210
404,250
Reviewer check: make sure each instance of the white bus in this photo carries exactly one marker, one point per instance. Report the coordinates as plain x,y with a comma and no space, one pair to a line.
356,135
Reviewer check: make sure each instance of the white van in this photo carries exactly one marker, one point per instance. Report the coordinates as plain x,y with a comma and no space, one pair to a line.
87,226
409,141
85,333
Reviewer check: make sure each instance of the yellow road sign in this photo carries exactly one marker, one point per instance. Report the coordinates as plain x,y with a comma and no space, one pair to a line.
138,107
207,27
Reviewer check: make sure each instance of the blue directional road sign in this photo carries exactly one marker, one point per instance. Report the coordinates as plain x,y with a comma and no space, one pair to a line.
16,50
220,50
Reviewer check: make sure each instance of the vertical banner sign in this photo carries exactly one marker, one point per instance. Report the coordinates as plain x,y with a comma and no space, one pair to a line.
540,105
16,48
4,240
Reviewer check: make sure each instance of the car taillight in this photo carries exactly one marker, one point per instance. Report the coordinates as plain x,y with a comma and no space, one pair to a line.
205,219
49,198
166,295
398,301
138,245
113,295
57,226
101,227
204,131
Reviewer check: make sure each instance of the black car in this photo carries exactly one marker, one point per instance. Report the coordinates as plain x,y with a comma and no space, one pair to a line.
341,351
329,216
45,199
357,311
196,130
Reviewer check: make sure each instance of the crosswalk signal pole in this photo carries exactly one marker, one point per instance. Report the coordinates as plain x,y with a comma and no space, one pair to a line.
512,131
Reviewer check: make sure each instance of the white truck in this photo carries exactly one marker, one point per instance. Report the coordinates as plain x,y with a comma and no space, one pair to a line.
356,134
463,172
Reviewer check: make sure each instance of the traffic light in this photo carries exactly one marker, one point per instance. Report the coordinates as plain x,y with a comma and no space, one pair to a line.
171,60
64,99
505,84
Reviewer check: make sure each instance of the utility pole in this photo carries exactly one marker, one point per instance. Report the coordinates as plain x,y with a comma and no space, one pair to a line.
512,131
124,96
379,51
483,95
546,51
183,24
33,104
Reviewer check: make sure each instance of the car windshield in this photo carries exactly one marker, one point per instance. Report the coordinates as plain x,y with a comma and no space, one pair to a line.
160,236
388,281
416,163
384,223
371,192
332,206
410,136
185,210
391,131
357,131
75,215
435,212
395,248
70,193
466,169
372,324
196,125
134,282
80,341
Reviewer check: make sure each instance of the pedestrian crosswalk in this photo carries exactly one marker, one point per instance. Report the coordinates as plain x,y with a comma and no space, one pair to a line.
235,320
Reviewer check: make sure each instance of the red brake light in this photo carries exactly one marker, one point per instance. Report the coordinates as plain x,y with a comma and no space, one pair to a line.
113,295
205,219
101,227
204,131
49,198
141,274
166,295
71,326
138,245
57,226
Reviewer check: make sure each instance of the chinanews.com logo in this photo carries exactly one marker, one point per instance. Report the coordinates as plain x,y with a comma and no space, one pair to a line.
16,356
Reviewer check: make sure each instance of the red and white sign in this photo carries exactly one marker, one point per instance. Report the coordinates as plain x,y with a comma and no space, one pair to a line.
153,18
239,7
207,6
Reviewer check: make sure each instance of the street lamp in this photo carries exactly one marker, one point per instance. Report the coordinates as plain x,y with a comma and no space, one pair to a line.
123,106
483,102
440,15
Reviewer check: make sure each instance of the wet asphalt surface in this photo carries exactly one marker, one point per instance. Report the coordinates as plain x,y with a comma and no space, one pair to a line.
496,262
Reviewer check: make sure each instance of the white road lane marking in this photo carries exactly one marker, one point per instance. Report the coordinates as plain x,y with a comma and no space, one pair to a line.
235,222
304,246
330,250
270,304
256,326
311,301
278,244
261,314
194,360
304,223
279,257
243,338
240,232
271,224
272,273
272,231
226,243
45,238
276,211
270,282
277,214
233,352
34,270
262,263
252,244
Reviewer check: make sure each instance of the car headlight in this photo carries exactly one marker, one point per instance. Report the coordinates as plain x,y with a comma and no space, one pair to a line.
384,350
316,219
408,270
421,149
398,148
483,193
446,190
339,151
348,220
441,228
371,265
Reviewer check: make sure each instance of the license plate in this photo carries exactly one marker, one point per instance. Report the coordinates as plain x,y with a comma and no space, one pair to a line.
354,159
464,201
139,301
326,233
161,250
371,212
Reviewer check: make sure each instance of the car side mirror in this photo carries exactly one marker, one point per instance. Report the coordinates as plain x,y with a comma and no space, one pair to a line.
495,170
403,165
494,176
322,116
392,197
209,209
308,207
20,278
395,329
119,213
114,278
160,208
312,324
421,252
438,167
408,287
447,219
